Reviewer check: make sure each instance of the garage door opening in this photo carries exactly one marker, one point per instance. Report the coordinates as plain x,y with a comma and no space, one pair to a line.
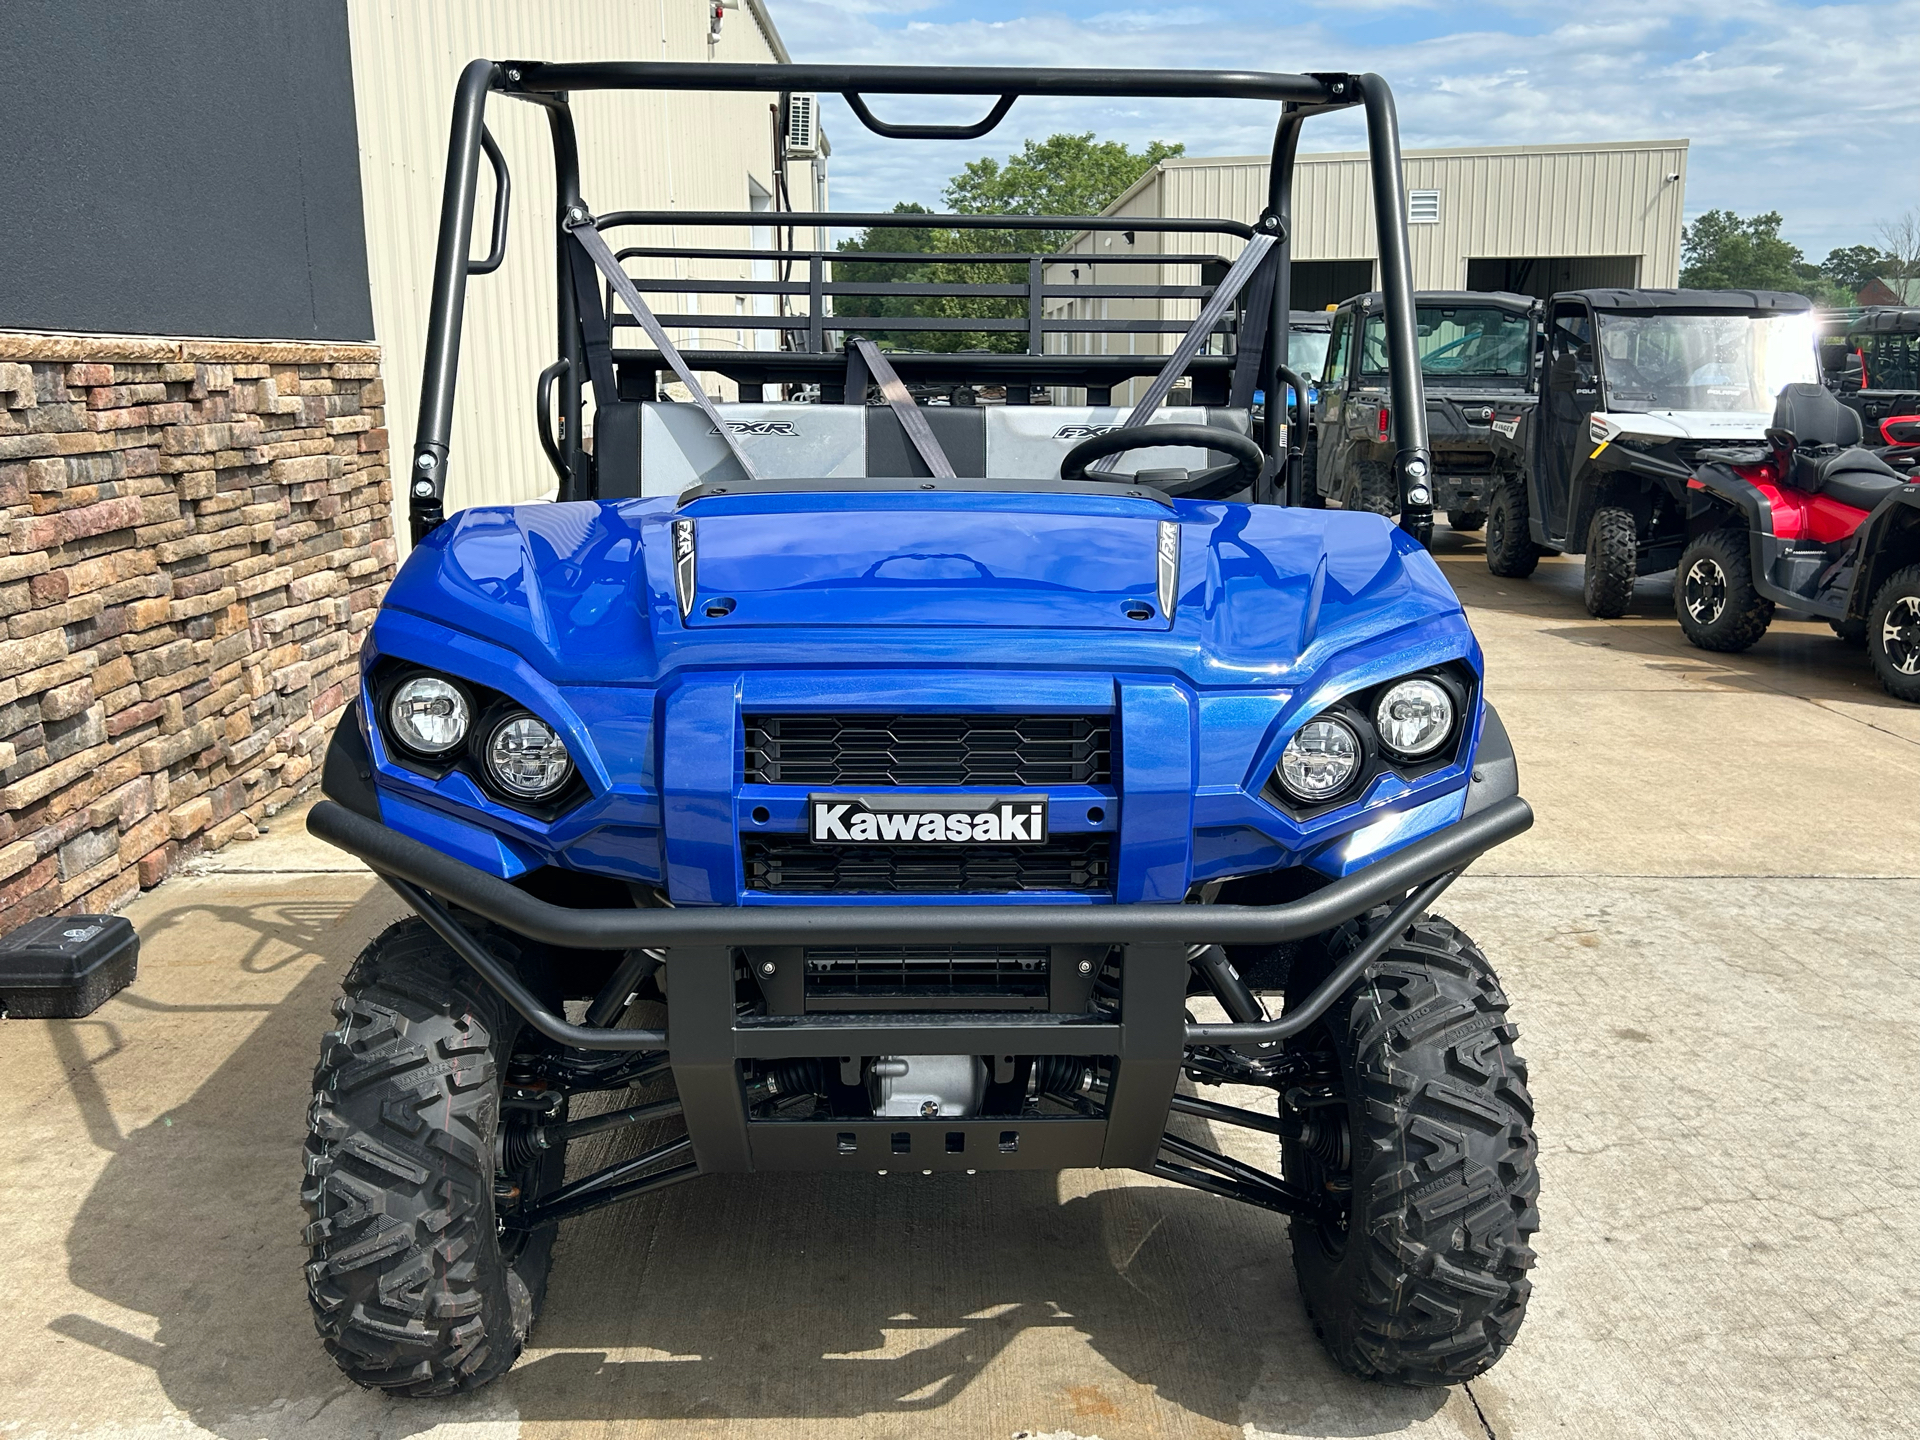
1542,275
1320,283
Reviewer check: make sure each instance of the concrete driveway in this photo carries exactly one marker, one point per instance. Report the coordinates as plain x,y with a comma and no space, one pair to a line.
1709,939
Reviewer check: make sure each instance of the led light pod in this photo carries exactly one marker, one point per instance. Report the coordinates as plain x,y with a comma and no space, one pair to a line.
526,758
1320,760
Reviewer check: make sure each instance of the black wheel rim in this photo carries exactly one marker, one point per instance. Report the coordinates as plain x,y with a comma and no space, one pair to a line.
1497,529
1900,634
1706,590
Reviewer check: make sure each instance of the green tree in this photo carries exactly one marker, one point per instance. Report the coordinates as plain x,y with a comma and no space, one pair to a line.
1852,266
1061,175
1722,251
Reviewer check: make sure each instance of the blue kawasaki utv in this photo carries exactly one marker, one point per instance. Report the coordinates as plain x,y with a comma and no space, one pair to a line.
879,770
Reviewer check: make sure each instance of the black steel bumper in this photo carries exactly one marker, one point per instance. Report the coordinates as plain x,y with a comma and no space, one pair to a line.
707,1038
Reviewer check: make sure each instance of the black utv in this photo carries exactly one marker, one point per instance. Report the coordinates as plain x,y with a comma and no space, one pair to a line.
1476,351
1875,369
1634,385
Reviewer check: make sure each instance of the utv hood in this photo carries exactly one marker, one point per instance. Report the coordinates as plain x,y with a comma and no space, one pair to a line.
587,592
1663,425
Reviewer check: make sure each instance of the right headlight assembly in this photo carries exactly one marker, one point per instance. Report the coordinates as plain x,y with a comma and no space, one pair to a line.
428,715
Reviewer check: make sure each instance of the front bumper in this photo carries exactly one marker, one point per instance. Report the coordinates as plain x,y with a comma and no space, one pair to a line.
707,1037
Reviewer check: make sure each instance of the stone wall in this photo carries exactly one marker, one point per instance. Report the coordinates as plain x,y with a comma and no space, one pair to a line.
193,537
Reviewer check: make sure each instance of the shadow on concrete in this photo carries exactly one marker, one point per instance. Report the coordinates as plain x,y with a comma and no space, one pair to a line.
803,1297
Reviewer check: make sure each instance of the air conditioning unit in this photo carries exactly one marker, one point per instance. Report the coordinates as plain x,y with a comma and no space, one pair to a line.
803,126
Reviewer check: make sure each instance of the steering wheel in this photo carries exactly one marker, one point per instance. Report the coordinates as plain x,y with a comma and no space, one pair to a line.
1211,483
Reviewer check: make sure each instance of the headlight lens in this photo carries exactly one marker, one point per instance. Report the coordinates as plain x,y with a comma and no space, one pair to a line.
1320,760
428,715
526,759
1414,718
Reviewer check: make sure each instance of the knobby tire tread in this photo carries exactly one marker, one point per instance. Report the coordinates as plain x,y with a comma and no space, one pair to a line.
411,1291
1431,1287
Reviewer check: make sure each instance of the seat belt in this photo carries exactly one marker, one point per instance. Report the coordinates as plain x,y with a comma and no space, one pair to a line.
912,419
580,224
1224,294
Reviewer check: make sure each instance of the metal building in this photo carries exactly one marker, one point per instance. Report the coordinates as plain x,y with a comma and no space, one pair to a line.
638,151
1527,218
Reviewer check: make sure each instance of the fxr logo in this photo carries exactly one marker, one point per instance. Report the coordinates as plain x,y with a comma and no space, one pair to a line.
759,427
1083,432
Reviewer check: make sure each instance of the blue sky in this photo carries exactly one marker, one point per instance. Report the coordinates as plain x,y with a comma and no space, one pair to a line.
1812,110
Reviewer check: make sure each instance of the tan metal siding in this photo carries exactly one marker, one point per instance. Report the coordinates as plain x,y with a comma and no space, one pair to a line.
1507,201
693,152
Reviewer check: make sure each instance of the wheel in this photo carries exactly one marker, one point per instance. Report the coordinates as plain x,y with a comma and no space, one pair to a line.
1421,1276
416,1287
1852,633
1466,519
1893,634
1613,561
1511,552
1713,593
1373,488
1310,495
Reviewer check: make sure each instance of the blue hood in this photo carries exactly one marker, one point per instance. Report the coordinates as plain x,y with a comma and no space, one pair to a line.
583,591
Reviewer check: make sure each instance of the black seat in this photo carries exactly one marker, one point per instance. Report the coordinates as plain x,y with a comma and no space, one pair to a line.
1823,437
1853,477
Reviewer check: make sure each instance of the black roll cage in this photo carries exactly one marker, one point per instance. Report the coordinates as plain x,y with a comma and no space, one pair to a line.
549,86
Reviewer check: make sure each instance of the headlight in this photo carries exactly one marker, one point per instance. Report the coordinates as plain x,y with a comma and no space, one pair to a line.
428,715
1320,760
526,759
1414,718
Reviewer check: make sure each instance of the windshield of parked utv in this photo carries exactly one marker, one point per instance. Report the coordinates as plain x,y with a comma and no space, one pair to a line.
1307,353
1458,340
1703,362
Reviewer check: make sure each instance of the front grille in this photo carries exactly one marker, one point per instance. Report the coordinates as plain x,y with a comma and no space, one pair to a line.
799,867
897,750
926,971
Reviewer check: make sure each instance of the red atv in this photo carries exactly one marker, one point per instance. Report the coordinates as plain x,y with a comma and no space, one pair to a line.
1810,522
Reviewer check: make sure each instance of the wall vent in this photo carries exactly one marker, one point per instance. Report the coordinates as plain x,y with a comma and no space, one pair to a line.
1423,207
803,126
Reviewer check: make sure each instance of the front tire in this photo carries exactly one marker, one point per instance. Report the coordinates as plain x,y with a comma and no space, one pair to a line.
1714,595
1893,634
1421,1280
416,1289
1511,553
1613,562
1466,520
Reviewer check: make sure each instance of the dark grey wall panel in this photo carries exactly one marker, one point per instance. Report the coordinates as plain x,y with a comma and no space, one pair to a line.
181,167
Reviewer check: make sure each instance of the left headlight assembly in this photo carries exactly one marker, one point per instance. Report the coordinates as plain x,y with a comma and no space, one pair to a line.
1410,725
1321,760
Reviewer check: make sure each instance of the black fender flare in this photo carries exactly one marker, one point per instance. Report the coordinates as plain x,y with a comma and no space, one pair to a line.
1900,511
1719,481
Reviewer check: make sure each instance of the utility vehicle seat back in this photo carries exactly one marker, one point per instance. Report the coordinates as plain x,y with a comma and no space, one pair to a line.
664,447
1824,438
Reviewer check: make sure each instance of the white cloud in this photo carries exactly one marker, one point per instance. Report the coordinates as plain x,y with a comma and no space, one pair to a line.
1808,110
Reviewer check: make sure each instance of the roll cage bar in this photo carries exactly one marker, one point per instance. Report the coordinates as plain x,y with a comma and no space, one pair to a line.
550,85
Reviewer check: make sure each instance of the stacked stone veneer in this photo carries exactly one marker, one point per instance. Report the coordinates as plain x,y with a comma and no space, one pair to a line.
193,538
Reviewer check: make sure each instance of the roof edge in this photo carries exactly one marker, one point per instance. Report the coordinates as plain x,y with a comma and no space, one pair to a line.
761,18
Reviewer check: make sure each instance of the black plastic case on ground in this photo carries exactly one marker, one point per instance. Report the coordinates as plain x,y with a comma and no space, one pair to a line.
65,966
